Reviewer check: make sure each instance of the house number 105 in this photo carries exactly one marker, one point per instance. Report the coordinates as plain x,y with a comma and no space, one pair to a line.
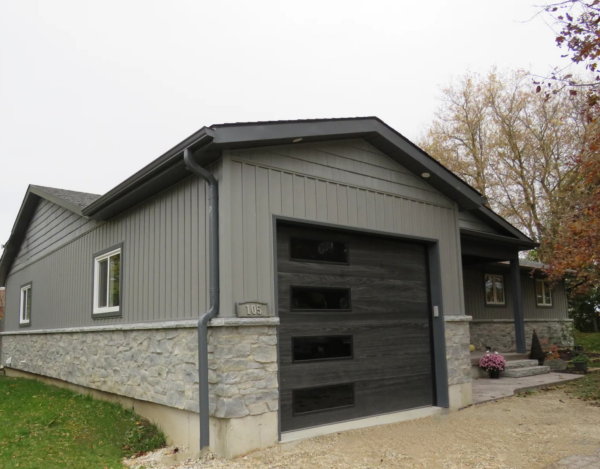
252,309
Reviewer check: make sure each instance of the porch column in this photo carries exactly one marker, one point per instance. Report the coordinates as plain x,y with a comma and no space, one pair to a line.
515,276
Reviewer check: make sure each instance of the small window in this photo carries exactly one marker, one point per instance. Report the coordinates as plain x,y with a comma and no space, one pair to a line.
320,298
494,289
309,400
321,348
319,251
107,282
25,305
542,293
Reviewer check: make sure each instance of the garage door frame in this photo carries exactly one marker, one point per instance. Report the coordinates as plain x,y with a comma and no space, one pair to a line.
435,287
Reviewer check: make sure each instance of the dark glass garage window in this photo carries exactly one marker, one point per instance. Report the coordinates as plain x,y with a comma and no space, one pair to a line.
319,251
321,348
320,298
331,397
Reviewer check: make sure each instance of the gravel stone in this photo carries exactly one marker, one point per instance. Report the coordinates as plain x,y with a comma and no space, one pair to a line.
533,432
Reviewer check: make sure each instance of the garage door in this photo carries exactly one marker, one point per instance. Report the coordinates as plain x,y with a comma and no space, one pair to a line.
355,334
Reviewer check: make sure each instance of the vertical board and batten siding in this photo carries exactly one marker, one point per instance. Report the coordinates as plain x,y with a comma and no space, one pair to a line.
471,222
347,183
475,297
51,226
164,266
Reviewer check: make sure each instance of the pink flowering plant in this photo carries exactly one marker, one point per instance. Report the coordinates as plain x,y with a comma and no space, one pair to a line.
492,362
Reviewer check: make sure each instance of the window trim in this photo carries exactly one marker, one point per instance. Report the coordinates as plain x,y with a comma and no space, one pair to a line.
545,285
109,311
494,303
22,322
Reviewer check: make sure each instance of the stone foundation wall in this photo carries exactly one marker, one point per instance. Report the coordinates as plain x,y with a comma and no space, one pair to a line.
159,365
457,351
243,371
500,334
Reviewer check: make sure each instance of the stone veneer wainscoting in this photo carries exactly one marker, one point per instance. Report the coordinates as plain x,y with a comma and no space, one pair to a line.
499,334
158,363
459,361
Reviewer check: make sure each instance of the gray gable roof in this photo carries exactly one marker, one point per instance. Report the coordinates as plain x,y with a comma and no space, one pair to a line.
71,200
207,145
81,199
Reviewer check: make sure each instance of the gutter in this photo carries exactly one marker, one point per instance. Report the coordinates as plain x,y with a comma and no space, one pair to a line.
213,310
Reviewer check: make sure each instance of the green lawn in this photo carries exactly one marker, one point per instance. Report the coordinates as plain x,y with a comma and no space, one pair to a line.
590,340
47,427
586,388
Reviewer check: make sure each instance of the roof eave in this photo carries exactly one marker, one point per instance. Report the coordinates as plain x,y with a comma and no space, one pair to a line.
520,244
11,249
135,184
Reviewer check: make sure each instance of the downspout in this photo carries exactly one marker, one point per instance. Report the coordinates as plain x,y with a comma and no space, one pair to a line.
213,310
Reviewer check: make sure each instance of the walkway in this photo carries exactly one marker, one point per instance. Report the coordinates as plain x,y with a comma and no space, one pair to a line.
486,390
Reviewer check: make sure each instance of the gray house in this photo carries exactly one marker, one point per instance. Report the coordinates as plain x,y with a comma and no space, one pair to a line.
340,274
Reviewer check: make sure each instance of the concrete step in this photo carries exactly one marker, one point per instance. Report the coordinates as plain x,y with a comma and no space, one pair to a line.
508,356
514,364
527,371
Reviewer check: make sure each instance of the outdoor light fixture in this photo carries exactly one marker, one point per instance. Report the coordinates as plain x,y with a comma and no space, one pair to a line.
425,175
296,140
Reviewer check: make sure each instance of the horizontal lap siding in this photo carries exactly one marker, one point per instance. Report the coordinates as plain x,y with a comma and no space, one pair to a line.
264,182
475,298
164,266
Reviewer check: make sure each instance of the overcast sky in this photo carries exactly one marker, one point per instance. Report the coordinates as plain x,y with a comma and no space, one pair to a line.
91,91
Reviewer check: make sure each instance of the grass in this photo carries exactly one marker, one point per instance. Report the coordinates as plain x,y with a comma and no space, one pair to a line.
47,427
589,340
586,388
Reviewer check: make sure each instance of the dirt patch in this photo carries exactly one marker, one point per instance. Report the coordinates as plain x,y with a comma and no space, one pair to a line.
529,431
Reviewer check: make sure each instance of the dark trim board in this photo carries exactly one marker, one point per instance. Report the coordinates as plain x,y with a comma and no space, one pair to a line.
437,326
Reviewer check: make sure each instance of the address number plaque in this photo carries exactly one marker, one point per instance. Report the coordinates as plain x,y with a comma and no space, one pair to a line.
253,309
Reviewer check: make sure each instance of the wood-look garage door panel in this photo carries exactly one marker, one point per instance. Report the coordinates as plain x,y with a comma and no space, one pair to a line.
372,397
328,373
365,297
375,271
389,321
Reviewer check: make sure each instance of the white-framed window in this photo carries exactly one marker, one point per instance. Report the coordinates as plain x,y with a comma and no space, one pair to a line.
543,295
107,282
494,289
25,305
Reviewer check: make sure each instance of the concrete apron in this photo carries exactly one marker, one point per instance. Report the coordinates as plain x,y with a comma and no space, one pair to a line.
384,419
487,390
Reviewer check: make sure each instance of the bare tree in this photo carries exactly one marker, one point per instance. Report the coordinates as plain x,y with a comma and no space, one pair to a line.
517,147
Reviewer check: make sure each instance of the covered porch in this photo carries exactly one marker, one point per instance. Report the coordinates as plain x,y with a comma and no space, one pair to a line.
493,290
507,300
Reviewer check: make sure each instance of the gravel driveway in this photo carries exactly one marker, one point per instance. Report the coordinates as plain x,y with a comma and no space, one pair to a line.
517,432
